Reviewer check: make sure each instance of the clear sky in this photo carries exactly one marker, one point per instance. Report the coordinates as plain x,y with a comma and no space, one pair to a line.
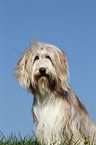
67,24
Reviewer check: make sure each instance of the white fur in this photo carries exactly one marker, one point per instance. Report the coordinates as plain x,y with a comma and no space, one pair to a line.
51,119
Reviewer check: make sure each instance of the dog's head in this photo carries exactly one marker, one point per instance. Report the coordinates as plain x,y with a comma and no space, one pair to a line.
43,66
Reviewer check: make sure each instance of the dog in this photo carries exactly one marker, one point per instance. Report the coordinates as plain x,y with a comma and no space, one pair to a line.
58,114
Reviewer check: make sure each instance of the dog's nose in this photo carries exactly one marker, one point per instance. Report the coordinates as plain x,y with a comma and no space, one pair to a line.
42,70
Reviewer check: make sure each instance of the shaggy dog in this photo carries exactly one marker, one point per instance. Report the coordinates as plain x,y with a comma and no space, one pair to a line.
57,111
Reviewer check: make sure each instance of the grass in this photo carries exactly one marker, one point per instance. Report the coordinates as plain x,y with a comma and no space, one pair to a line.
29,140
14,140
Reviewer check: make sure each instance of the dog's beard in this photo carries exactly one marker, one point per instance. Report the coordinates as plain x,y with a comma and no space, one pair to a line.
43,85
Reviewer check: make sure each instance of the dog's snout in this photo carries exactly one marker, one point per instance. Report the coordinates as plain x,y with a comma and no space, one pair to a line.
42,70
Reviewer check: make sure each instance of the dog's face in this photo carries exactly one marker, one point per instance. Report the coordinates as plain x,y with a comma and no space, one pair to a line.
43,73
43,67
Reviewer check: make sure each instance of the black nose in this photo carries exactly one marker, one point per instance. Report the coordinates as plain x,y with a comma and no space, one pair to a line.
42,70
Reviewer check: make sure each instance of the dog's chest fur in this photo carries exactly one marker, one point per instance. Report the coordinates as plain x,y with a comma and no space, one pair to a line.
51,118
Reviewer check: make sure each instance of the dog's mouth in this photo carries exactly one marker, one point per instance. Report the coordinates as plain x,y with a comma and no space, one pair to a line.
43,75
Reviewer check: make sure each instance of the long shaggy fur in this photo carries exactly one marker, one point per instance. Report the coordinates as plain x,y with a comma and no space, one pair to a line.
57,111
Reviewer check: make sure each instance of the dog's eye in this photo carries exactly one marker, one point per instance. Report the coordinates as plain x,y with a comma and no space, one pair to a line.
48,57
36,58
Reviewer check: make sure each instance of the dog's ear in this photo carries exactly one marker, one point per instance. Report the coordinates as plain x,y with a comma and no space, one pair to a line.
21,70
63,70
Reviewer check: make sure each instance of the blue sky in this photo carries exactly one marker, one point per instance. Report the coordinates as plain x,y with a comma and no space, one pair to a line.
68,24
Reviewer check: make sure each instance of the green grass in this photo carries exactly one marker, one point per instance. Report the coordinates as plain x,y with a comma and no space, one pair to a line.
14,140
29,140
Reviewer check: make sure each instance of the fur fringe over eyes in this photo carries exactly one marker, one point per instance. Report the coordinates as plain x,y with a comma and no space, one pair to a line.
57,111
